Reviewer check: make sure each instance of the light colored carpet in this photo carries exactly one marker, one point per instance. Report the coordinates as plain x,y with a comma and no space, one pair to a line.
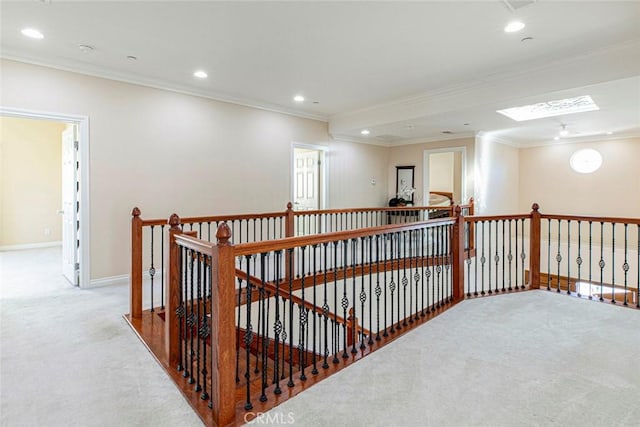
69,359
535,358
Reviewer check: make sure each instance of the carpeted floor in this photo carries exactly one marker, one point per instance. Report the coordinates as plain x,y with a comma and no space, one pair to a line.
534,358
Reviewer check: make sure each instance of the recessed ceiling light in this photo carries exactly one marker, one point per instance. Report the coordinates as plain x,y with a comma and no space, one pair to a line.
556,138
513,27
85,48
32,33
365,132
564,131
609,133
298,98
200,74
558,107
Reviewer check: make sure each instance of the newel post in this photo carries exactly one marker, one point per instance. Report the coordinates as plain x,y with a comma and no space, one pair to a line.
136,264
534,248
172,322
457,255
223,328
472,225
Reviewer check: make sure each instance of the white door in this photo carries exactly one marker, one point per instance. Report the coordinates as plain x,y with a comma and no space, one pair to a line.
306,179
70,205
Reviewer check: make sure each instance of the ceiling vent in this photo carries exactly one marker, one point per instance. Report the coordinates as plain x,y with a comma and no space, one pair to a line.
514,5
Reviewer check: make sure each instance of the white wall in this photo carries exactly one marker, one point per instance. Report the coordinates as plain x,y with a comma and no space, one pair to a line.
497,177
413,155
547,178
168,152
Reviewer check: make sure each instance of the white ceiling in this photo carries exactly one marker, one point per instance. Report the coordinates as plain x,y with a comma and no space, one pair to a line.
405,70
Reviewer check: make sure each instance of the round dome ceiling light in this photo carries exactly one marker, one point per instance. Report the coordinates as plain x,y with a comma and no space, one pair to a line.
586,160
513,27
298,98
200,74
365,132
32,33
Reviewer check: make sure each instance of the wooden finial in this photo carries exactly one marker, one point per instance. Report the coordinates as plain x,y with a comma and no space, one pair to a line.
135,212
223,234
471,200
535,207
174,221
289,206
458,210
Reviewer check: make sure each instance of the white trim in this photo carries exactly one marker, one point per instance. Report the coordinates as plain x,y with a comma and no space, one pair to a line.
30,246
108,281
83,138
324,169
425,171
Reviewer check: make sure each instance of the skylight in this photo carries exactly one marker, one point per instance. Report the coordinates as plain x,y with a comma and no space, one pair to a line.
558,107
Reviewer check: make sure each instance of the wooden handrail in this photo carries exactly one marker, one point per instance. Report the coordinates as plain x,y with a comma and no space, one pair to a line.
292,242
595,219
495,217
194,243
383,209
296,300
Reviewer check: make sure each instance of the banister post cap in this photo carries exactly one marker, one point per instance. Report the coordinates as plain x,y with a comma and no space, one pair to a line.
174,221
223,234
535,207
289,206
458,210
135,212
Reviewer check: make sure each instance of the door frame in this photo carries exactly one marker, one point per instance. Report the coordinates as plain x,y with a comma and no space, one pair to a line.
82,122
324,159
463,171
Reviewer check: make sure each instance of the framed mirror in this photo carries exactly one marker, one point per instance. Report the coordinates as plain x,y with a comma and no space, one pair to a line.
405,183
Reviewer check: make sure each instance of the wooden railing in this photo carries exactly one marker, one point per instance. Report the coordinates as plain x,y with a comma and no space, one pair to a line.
251,324
149,237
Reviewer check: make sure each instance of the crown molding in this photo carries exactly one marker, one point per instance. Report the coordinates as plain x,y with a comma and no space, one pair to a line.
428,140
98,72
359,140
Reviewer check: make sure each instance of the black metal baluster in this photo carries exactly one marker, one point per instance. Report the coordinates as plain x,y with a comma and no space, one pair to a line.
549,254
432,271
510,256
392,285
405,281
503,258
363,295
449,261
197,326
523,256
423,259
185,306
325,308
277,326
290,279
191,318
579,259
558,257
590,258
568,257
265,323
496,258
314,370
439,265
625,266
152,271
416,274
302,313
162,270
489,253
613,262
601,264
344,302
335,303
475,263
378,290
284,336
370,264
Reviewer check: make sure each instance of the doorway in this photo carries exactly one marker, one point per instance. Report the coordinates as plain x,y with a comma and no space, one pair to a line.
69,204
308,177
444,174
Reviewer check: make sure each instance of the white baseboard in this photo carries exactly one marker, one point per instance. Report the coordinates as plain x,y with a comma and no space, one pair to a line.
119,280
108,281
30,246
